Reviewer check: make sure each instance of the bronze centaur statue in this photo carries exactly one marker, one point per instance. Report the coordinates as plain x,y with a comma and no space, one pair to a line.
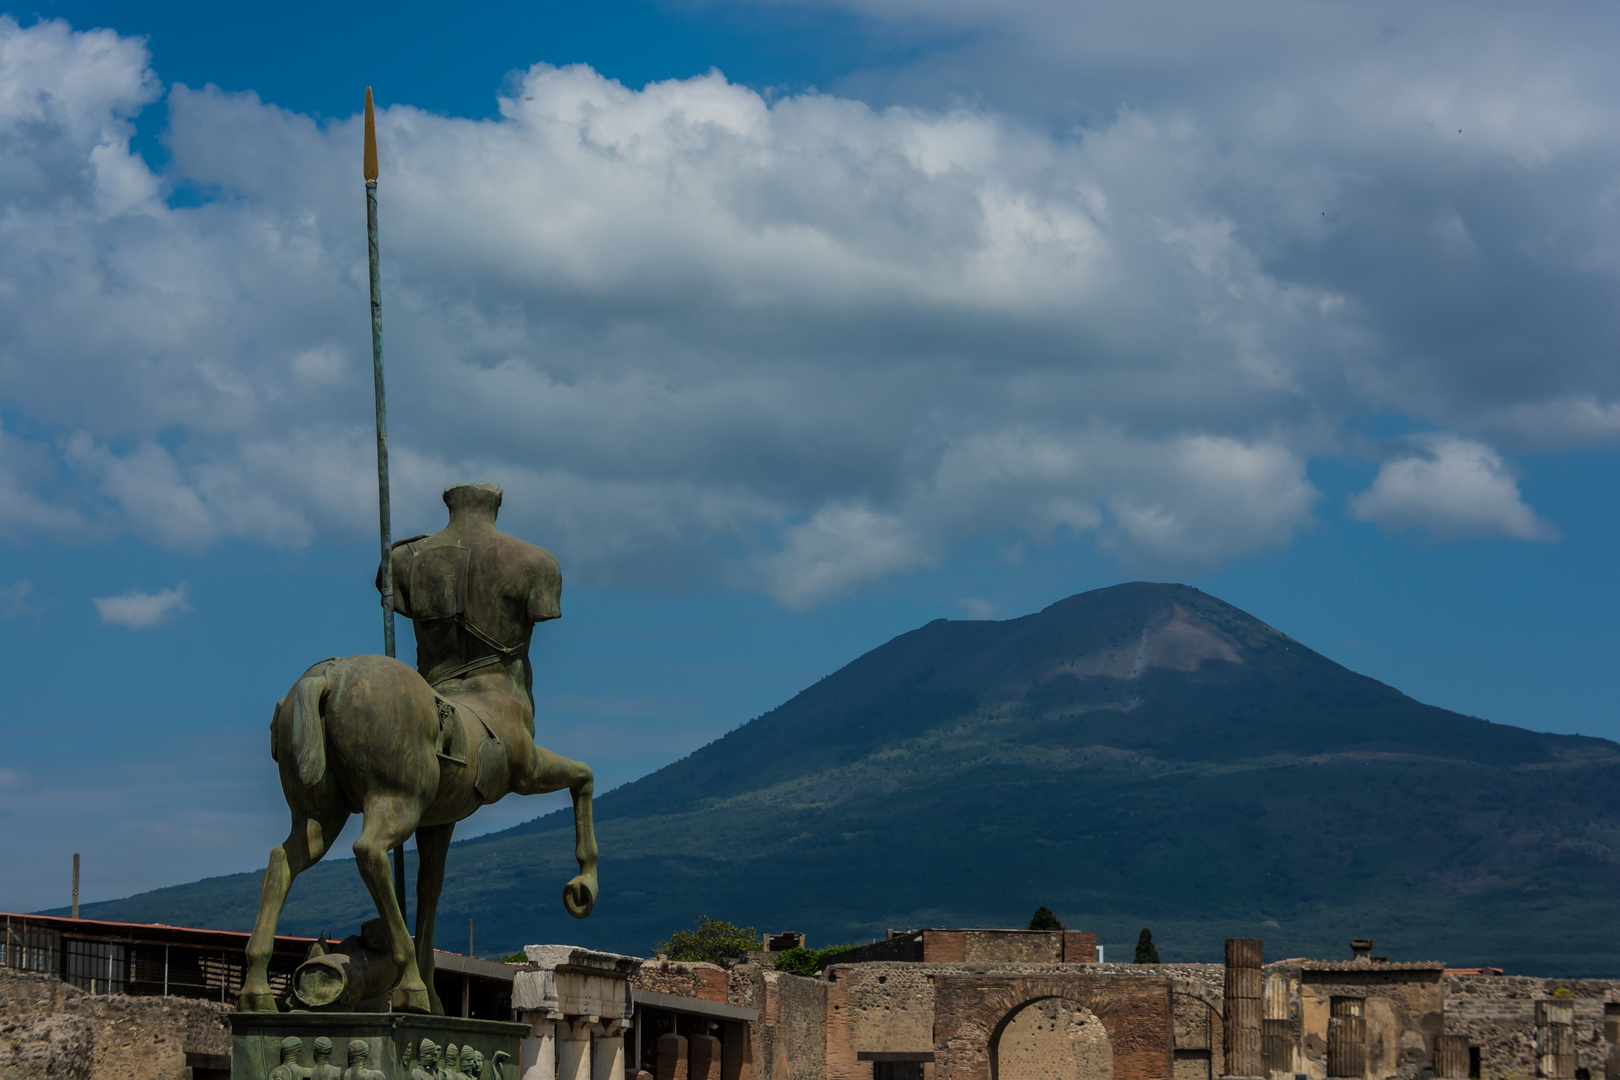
417,751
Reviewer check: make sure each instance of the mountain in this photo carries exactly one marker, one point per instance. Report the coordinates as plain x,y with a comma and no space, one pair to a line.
1141,755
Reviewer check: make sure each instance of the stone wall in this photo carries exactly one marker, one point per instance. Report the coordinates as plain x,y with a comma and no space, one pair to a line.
884,1008
978,947
973,1008
49,1029
1053,1039
788,1041
1498,1015
1403,1012
706,981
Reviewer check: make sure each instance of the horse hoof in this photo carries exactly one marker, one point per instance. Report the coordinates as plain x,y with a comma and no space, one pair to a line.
414,1001
579,895
257,1001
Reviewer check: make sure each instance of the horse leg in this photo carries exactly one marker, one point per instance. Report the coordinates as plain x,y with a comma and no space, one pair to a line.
388,821
432,845
553,772
305,844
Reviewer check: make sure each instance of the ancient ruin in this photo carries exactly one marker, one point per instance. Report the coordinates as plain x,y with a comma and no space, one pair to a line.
932,1004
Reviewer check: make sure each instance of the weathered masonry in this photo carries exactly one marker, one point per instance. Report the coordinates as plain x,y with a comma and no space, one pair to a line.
1017,1005
935,1004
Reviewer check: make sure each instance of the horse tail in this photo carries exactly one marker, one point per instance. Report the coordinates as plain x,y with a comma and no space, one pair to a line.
301,729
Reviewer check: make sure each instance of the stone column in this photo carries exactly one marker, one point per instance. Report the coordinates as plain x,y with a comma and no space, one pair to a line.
574,1049
539,1050
670,1059
1555,1039
1347,1038
1451,1057
1277,1041
703,1058
566,995
1244,986
607,1050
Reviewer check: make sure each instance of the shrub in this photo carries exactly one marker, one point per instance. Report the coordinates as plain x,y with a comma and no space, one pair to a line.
801,961
712,942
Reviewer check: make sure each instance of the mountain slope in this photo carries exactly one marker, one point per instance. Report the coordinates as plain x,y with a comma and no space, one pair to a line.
1143,754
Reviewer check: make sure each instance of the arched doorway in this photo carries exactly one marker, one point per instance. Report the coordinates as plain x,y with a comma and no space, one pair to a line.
1052,1039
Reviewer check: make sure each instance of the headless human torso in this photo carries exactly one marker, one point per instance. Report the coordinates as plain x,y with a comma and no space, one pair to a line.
474,594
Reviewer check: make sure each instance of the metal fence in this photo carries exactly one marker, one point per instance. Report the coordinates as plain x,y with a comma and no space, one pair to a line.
106,965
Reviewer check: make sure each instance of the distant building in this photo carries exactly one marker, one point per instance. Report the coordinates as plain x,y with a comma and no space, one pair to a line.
955,1004
119,1000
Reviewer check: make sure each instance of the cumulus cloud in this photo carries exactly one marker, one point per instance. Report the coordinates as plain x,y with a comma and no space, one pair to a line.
138,610
802,343
1453,488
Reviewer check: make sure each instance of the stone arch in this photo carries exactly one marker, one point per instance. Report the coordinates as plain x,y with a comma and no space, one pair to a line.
1197,1032
968,1013
1051,1038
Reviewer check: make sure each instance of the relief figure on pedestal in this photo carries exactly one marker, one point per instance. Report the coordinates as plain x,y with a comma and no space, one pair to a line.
359,1069
323,1069
427,1061
289,1069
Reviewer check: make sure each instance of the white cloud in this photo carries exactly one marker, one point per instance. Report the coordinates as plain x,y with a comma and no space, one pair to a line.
839,548
138,610
805,342
1453,489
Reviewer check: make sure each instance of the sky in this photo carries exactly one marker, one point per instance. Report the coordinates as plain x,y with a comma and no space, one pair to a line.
787,326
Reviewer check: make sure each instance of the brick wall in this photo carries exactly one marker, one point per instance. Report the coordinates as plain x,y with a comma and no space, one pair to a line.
971,1010
886,1008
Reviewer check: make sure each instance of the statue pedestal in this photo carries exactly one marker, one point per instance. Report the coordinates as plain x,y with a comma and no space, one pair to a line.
394,1044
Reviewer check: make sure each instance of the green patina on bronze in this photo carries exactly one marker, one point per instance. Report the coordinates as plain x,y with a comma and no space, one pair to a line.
414,752
371,1046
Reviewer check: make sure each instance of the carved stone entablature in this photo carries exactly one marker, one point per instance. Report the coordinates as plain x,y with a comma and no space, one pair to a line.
578,1005
570,983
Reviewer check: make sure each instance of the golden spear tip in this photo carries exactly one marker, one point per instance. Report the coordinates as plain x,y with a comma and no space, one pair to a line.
371,140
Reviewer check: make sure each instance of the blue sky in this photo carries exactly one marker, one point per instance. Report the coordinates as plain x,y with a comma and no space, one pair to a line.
788,327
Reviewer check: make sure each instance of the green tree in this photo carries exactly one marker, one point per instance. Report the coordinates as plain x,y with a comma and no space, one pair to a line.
1043,919
519,957
711,942
1146,953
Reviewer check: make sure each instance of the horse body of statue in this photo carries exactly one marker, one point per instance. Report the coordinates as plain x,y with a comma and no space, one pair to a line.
415,751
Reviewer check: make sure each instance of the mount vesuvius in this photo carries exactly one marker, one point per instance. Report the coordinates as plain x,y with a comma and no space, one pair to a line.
1141,755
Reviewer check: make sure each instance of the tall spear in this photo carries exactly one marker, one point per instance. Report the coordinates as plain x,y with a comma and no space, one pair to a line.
384,511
